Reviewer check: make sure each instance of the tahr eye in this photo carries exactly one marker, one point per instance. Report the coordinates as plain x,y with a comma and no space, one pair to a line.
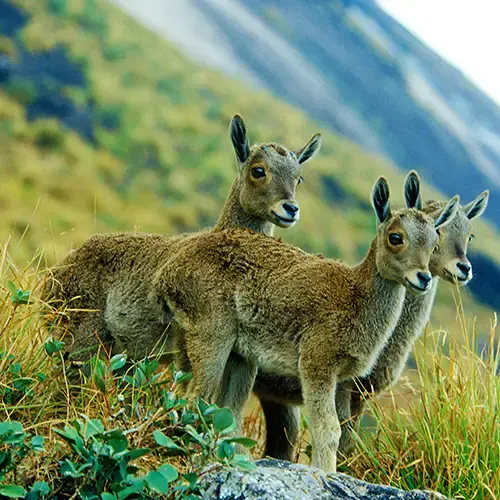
395,239
436,248
301,180
263,147
258,173
471,237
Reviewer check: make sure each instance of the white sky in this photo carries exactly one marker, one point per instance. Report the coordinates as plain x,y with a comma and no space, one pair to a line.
465,32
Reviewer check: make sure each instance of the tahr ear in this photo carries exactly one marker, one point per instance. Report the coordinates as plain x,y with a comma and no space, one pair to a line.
448,212
239,139
309,150
476,207
380,200
412,191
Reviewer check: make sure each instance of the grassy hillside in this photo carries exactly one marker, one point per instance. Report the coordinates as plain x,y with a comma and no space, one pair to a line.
441,433
106,127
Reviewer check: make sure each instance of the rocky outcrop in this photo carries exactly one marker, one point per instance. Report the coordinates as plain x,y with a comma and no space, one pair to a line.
279,480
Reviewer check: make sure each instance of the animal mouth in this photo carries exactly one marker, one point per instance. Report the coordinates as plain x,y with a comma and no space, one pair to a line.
454,277
415,287
283,219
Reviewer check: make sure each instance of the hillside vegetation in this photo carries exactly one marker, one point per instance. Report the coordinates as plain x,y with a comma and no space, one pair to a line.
106,127
59,440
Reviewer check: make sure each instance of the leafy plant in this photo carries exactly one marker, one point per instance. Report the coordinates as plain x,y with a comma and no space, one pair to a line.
100,461
18,296
100,464
102,372
52,346
16,386
16,445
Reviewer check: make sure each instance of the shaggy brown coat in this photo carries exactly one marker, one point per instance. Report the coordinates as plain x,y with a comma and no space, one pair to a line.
448,262
106,283
266,305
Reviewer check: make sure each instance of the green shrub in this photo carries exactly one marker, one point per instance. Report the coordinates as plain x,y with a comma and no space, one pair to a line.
16,445
59,7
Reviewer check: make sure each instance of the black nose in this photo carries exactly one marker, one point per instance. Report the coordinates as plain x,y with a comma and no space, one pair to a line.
464,267
291,208
424,278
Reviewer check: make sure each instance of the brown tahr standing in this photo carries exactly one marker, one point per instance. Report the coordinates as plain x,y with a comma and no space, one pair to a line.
268,306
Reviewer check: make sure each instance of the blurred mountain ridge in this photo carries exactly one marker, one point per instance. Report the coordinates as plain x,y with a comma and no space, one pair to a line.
349,65
114,128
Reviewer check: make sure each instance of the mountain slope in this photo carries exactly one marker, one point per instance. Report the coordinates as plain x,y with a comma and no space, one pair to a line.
104,127
352,67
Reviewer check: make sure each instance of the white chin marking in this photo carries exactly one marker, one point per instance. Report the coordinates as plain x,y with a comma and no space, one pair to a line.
415,288
283,221
453,278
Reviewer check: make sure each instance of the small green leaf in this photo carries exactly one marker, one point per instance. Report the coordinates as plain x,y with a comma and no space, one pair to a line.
13,491
92,427
11,433
21,384
99,374
118,361
149,366
41,487
52,346
136,453
12,287
182,377
165,441
87,493
18,296
136,487
118,445
304,422
169,472
100,382
114,434
138,379
5,462
68,469
191,478
195,435
23,297
188,417
223,419
225,450
71,435
209,411
243,463
37,443
246,442
157,482
14,368
108,496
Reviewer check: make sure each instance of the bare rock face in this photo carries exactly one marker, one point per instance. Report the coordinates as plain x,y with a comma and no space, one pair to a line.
280,480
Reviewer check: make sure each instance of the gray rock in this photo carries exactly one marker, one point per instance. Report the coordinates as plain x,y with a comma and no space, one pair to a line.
280,480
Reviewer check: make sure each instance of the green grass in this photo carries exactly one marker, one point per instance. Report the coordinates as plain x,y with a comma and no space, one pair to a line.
112,434
167,165
437,430
57,190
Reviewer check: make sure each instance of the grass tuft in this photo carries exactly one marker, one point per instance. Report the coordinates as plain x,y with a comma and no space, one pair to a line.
441,433
437,430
